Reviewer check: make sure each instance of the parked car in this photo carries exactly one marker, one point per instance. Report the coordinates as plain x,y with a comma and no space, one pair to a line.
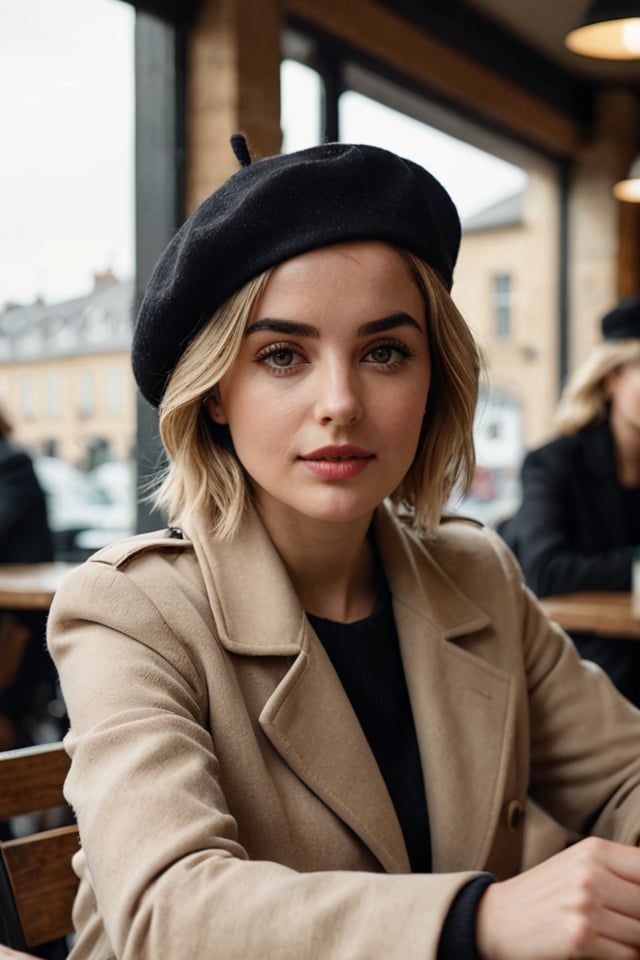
116,479
82,517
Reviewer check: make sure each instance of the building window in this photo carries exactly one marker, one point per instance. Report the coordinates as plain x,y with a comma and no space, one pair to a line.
54,390
114,390
502,304
85,405
27,396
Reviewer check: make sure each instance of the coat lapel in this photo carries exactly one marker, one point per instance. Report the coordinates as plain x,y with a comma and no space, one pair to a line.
311,723
308,717
462,705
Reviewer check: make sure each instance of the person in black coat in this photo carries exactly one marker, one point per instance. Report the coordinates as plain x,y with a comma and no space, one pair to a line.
27,676
578,525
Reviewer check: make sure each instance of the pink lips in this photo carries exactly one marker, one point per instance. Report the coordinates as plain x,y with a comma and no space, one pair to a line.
337,462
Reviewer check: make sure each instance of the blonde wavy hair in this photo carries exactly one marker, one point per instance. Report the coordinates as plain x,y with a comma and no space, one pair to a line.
584,401
203,470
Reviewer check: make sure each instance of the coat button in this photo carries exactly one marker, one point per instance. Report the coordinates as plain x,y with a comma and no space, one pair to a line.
515,814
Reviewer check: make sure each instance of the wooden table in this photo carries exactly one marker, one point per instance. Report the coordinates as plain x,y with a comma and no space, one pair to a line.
608,613
31,586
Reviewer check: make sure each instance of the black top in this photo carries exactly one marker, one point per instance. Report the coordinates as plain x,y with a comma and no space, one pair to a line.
630,501
24,530
576,527
366,657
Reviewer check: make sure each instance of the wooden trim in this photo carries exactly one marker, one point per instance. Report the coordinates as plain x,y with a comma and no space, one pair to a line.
379,33
606,613
31,779
43,882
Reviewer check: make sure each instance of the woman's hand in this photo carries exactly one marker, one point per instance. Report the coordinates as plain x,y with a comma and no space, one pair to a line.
581,903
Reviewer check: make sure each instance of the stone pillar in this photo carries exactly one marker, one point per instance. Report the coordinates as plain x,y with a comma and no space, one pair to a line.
233,84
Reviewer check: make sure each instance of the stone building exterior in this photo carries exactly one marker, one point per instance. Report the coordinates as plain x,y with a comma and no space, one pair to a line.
65,374
506,288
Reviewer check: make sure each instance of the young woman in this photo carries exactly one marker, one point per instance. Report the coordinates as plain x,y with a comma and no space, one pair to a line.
300,725
578,525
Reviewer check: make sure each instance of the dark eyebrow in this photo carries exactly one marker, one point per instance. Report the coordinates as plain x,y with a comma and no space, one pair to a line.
388,323
305,330
283,326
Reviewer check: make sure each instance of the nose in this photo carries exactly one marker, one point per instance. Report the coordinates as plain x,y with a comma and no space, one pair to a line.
338,398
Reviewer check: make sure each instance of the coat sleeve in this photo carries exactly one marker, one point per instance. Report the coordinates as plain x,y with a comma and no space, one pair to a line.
169,877
584,765
545,539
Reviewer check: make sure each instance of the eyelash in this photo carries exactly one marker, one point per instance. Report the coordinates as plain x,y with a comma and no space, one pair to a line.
264,355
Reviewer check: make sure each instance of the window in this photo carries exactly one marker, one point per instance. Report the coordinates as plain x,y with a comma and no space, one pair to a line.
502,304
85,404
26,395
114,390
54,388
460,167
300,112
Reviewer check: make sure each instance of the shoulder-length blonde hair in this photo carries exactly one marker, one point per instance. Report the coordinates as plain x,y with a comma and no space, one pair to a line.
584,401
203,469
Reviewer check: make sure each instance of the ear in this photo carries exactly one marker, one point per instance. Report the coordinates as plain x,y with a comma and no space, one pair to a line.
215,408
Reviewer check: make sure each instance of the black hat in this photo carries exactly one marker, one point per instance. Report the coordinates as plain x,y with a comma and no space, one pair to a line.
623,322
275,209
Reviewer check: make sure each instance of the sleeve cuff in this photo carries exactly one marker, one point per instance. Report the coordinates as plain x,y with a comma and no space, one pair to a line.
458,937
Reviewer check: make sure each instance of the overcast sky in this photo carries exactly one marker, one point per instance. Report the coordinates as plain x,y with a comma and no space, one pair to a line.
66,115
66,165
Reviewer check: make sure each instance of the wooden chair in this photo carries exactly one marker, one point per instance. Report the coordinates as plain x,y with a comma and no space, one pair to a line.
37,884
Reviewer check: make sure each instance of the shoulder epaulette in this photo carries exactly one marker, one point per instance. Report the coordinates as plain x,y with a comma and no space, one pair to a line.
118,553
453,517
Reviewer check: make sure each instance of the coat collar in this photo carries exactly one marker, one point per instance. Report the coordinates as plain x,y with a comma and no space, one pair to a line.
461,704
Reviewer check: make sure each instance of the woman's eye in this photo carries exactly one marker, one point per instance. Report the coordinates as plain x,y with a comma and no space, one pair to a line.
382,354
387,353
280,357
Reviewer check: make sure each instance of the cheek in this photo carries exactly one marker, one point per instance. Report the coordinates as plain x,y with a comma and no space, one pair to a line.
262,418
400,416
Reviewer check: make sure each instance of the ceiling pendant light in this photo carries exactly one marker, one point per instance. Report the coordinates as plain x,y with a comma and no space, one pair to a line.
629,188
609,29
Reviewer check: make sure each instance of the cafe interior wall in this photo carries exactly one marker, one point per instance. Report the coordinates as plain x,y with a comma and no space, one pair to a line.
603,233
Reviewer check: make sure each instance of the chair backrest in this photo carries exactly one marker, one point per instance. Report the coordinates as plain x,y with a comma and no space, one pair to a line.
37,884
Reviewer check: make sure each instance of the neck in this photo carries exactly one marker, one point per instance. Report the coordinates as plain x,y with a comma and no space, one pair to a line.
332,568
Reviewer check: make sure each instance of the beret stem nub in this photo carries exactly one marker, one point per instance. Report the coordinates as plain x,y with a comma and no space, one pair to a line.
241,150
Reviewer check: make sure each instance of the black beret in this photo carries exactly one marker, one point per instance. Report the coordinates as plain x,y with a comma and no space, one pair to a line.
275,209
623,322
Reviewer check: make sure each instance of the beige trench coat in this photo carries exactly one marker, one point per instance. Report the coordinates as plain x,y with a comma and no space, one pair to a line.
229,805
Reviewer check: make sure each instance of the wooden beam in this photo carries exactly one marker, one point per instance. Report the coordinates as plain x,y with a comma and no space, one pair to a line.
380,33
233,85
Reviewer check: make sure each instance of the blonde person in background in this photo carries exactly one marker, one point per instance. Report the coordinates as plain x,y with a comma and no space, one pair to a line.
300,727
578,525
